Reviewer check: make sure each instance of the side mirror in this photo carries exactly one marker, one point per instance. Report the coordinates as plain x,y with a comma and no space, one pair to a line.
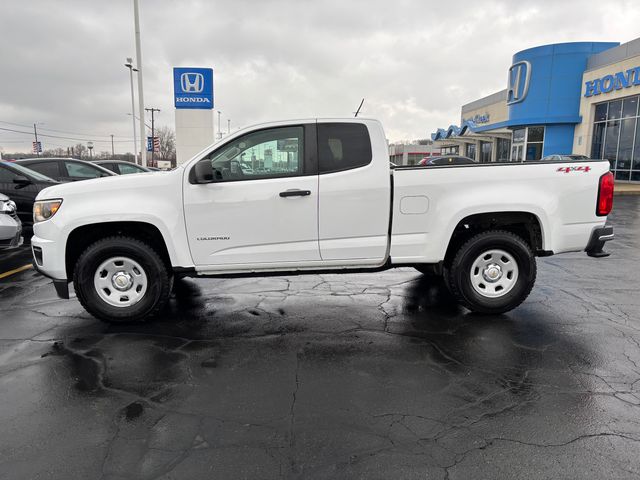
21,181
203,172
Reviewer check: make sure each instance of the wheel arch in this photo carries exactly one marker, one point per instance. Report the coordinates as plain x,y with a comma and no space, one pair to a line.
526,225
83,236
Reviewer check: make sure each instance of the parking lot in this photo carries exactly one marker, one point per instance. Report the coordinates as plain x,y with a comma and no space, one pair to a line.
328,376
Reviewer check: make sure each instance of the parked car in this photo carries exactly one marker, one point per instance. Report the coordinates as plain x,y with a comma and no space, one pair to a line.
334,206
446,160
10,225
122,167
22,184
565,158
66,169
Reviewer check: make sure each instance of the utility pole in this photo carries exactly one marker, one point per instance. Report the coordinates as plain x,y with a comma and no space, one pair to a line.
112,150
153,135
35,134
136,19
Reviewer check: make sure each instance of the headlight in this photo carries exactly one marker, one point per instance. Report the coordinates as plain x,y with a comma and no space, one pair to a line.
7,206
45,209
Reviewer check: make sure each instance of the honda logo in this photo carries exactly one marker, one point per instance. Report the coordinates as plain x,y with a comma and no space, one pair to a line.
518,82
192,82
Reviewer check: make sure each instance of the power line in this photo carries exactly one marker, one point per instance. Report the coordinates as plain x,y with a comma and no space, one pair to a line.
77,139
61,131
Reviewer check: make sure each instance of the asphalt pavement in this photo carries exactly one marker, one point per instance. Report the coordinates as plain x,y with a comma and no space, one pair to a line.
330,376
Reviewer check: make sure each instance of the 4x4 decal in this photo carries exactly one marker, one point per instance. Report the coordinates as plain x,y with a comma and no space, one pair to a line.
581,168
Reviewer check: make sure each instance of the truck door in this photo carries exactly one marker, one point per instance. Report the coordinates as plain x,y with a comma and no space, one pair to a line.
355,193
262,207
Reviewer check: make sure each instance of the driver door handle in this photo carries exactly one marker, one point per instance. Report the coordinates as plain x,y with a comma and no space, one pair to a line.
295,193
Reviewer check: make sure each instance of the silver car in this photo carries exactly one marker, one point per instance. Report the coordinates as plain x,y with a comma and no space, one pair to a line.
10,225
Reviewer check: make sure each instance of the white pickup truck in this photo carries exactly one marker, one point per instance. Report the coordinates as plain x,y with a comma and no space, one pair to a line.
311,196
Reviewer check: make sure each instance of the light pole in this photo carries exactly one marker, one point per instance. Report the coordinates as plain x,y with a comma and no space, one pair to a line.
219,131
136,20
113,154
228,126
129,65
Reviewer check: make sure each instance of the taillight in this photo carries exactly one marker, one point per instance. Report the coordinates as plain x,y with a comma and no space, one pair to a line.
605,195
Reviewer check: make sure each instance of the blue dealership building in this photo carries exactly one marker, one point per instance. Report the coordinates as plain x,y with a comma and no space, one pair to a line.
566,98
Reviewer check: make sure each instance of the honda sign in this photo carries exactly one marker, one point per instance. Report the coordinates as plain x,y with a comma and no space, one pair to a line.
193,87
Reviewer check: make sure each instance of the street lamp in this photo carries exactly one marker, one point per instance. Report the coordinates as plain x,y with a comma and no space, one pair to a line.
129,65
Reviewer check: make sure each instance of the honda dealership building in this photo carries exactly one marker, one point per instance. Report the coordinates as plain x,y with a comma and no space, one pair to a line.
579,98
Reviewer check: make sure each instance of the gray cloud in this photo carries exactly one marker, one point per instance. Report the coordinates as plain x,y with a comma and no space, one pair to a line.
415,62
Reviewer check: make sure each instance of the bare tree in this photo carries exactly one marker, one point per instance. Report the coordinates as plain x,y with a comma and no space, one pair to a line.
167,144
78,151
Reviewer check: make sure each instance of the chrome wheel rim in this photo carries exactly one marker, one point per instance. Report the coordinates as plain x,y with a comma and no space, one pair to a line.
494,273
120,282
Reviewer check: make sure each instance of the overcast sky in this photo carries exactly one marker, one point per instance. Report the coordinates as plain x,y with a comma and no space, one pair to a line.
415,61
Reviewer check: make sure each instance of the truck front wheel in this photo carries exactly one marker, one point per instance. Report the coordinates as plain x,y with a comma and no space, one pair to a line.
493,272
121,279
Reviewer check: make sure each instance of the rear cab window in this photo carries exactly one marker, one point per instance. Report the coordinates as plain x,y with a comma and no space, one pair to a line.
343,146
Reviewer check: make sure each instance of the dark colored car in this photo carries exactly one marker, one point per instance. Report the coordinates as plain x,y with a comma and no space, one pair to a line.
121,167
446,160
65,169
22,185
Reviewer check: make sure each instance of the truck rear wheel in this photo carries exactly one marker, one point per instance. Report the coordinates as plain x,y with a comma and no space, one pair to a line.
121,279
493,272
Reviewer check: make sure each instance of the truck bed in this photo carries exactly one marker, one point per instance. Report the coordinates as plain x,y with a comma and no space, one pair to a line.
429,202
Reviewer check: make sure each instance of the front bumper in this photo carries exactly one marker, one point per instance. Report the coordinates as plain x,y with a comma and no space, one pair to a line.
599,237
61,286
10,232
49,258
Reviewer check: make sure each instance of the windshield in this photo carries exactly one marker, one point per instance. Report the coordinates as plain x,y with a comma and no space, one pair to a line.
27,172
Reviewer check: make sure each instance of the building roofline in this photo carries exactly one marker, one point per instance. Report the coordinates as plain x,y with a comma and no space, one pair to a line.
500,96
614,55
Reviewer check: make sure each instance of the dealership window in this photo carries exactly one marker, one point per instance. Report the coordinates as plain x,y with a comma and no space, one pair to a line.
517,147
616,136
485,152
471,150
502,151
450,150
535,140
527,144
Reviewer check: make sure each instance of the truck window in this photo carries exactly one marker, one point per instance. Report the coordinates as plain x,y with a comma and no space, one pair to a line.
274,152
343,146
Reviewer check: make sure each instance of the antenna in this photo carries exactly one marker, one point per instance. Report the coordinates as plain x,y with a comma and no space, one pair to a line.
358,111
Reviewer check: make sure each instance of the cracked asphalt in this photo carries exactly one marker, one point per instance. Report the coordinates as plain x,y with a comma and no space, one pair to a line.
331,376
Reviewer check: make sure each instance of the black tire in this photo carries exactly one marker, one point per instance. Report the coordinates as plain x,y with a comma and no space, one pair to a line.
460,270
153,299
